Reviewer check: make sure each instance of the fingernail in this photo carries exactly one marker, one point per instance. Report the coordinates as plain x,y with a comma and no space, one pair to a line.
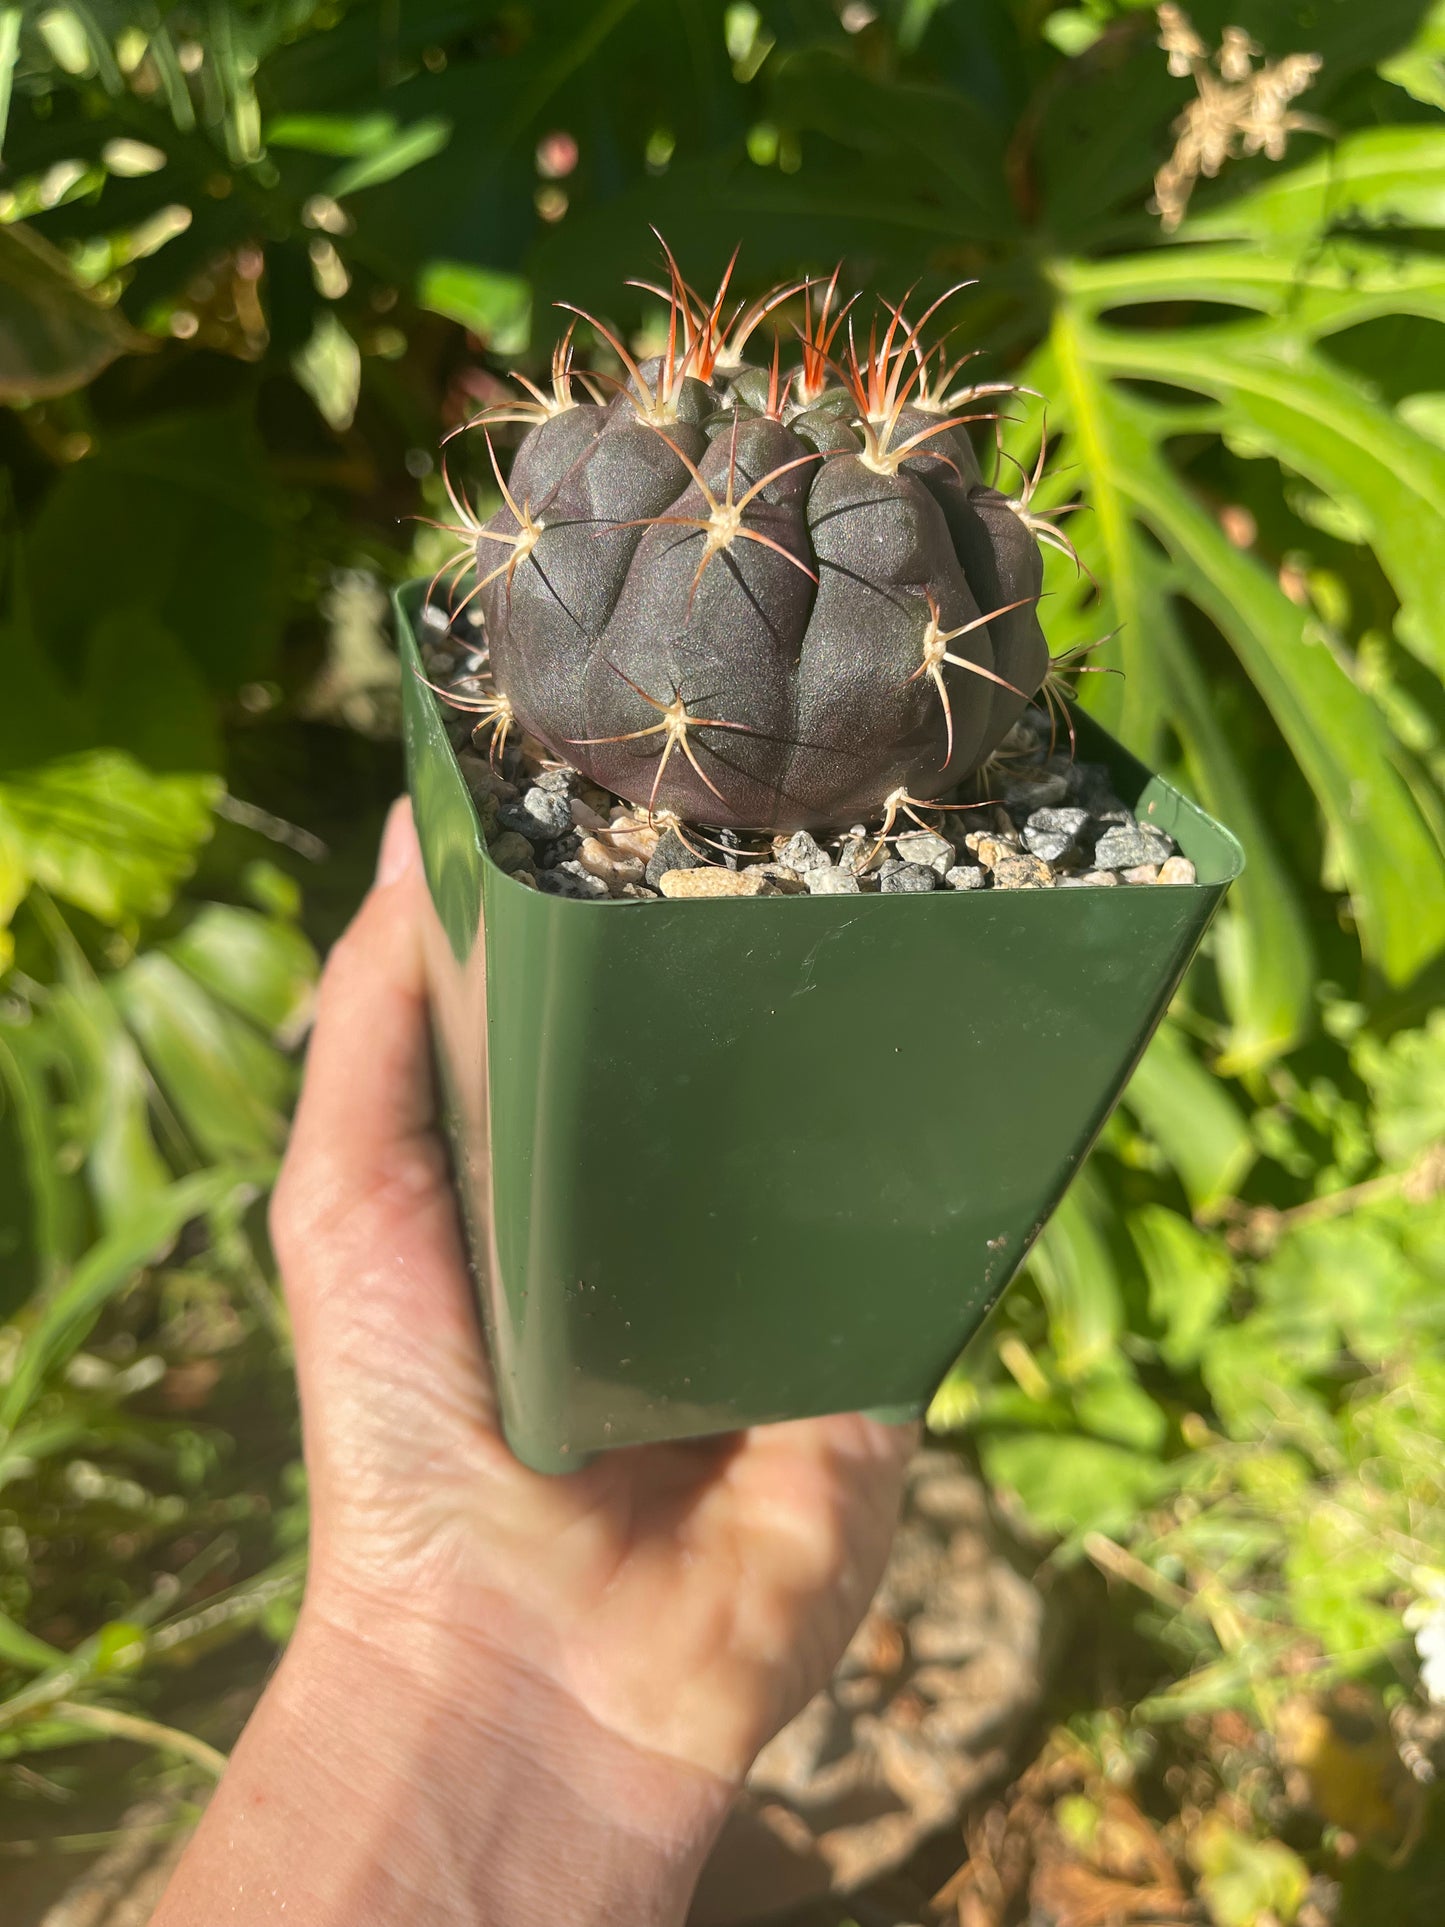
398,845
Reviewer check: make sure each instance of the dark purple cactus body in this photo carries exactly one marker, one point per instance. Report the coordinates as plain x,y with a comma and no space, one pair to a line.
756,604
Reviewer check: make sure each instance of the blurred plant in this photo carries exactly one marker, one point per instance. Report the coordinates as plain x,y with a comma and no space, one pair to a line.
1240,110
145,1075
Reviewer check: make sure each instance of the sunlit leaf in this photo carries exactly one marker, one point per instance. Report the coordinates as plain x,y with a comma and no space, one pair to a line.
229,1086
1334,730
1189,1275
1075,1486
329,369
498,307
1078,1280
393,154
1383,177
1243,1880
261,966
1192,1118
1406,1076
99,832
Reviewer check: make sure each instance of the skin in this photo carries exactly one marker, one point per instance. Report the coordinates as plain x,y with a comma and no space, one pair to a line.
510,1699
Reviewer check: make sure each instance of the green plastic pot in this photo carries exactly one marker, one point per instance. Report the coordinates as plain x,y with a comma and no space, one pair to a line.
728,1162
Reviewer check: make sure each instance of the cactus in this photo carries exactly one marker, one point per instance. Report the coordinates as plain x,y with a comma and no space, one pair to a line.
754,597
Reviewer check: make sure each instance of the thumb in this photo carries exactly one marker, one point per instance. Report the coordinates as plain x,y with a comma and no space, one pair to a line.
363,1219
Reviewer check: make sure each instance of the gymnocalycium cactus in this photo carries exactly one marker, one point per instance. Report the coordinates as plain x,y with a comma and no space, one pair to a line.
756,597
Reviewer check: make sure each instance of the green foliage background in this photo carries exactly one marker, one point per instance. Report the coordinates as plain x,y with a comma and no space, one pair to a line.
252,258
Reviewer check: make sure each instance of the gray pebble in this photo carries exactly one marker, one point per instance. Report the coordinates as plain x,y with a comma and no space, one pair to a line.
541,814
801,852
552,856
854,850
671,854
729,845
571,880
1123,846
924,847
1090,879
966,876
1050,833
558,782
909,879
831,883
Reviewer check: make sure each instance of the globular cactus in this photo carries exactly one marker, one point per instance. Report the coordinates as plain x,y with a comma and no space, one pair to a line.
759,598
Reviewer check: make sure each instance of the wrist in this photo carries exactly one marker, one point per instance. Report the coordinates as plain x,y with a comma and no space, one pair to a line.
379,1784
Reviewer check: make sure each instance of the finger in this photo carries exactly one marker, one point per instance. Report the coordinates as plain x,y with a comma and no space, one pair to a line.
367,1088
363,1217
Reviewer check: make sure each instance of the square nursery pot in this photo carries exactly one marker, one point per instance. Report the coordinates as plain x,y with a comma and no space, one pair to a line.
751,1159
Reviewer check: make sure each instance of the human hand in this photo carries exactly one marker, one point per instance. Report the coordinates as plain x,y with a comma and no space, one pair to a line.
625,1637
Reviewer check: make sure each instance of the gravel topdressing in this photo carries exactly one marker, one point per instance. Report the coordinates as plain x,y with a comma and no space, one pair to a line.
1049,823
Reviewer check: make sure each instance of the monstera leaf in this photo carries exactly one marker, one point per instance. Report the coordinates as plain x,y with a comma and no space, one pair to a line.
1124,390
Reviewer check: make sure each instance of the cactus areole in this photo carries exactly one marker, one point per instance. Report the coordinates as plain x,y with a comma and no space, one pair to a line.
766,597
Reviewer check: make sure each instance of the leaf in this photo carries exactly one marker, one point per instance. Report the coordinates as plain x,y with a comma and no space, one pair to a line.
1326,426
1420,67
1335,732
1337,736
344,135
1339,1577
260,966
1246,1881
1383,177
27,1055
63,1316
10,23
497,307
328,367
1114,1406
23,1650
230,1087
1072,1485
391,155
14,883
1266,969
122,1163
54,337
1407,1085
98,831
1190,1277
1078,1281
1193,1119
